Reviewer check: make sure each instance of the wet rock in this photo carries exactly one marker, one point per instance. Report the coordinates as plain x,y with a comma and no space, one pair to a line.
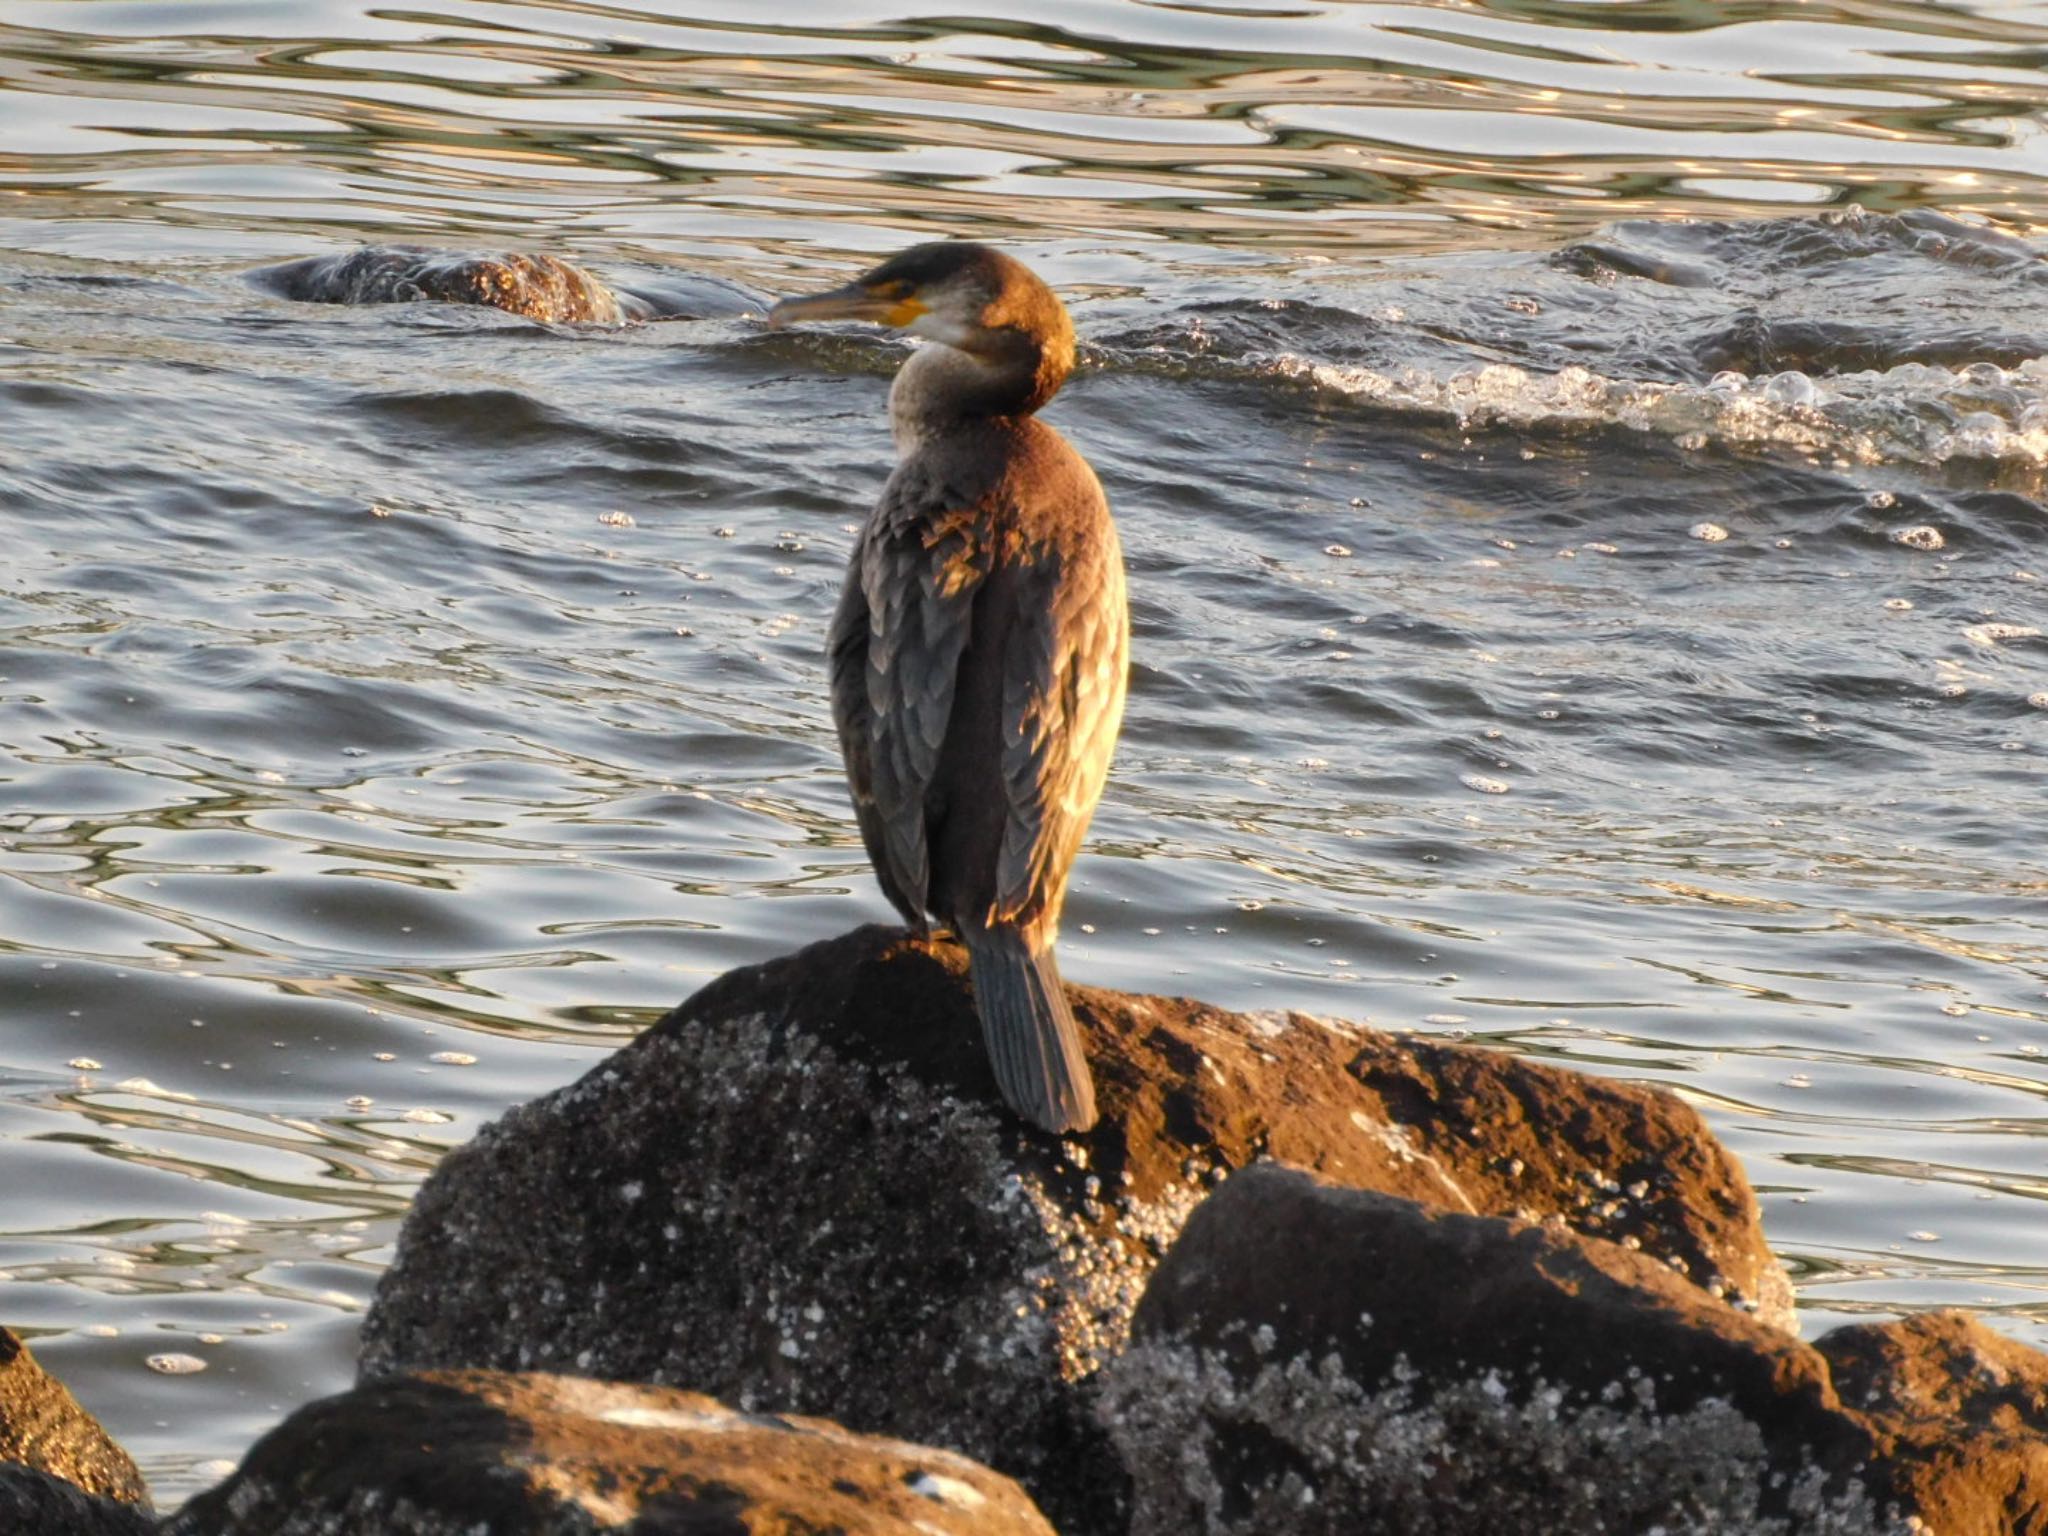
43,1427
1311,1360
34,1503
538,287
455,1453
800,1191
1959,1414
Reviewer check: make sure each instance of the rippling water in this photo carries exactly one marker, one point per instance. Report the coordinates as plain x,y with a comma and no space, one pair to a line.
1607,636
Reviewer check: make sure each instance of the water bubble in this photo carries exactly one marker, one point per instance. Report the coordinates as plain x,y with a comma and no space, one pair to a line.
453,1058
1337,551
1880,500
1708,533
1792,388
723,532
1919,536
1955,1010
1899,604
1601,549
1483,784
359,1101
616,519
2038,700
426,1117
1953,690
174,1364
1924,1236
82,1064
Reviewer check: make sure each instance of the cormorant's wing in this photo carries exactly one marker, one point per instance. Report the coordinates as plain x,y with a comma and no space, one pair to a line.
917,569
1063,702
846,653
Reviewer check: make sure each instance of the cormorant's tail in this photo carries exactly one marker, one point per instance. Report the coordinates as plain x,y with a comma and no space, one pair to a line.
1033,1042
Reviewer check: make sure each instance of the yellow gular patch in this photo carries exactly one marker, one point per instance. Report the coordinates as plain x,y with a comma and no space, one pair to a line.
905,312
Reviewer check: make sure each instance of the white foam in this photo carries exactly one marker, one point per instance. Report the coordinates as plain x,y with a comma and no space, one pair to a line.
1916,413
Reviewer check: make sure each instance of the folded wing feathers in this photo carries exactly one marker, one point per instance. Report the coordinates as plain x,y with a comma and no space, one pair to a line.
920,573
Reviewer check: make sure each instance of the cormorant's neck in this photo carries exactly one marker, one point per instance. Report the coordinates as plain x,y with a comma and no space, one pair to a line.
941,386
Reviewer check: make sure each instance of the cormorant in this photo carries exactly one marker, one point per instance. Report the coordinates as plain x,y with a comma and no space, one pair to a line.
979,651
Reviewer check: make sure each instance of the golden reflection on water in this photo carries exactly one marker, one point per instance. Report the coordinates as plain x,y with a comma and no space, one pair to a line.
1395,126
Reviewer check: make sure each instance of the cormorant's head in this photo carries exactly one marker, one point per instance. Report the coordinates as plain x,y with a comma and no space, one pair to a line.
967,296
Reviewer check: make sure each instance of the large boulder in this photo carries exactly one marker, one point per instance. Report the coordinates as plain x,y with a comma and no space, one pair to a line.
34,1503
800,1190
1313,1360
43,1427
456,1453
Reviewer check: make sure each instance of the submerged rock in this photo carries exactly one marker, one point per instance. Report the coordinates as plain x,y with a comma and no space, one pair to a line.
800,1190
1312,1360
538,287
478,1451
34,1503
43,1427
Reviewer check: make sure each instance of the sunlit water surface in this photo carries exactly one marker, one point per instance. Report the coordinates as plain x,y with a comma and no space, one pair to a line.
1559,626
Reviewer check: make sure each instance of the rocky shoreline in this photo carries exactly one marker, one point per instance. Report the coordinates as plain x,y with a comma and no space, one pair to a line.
784,1264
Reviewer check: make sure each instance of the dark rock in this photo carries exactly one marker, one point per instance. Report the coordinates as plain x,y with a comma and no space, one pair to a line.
43,1427
35,1503
455,1453
538,287
1960,1416
1312,1360
800,1191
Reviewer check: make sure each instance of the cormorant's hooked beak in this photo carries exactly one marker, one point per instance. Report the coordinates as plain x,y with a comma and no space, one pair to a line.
855,301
